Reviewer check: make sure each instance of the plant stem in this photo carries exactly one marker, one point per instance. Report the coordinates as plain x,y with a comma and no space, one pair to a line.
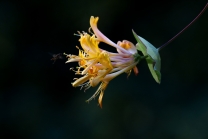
161,47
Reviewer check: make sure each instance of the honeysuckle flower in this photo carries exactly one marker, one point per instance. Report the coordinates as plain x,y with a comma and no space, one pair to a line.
99,66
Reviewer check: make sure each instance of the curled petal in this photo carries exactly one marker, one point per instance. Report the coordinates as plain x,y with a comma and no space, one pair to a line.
130,47
104,86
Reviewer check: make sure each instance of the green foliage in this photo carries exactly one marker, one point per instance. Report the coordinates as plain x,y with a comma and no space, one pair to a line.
153,56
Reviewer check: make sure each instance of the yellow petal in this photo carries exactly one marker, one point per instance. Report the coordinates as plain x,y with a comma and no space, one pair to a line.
105,60
96,80
93,21
100,99
81,80
89,44
102,89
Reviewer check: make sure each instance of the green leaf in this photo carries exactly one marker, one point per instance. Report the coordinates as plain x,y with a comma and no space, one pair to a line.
153,59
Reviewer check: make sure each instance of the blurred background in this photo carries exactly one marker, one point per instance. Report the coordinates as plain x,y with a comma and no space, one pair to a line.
37,100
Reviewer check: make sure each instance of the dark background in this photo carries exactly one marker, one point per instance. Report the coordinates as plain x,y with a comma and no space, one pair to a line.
37,100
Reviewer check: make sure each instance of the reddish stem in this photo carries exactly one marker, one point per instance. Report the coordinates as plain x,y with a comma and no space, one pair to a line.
184,28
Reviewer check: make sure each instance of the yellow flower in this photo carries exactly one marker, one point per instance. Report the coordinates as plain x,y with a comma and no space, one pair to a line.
98,65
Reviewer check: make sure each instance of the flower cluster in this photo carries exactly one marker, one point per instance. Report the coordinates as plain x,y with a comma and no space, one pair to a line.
98,66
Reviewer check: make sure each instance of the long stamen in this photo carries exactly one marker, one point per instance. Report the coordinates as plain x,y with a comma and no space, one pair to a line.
95,94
